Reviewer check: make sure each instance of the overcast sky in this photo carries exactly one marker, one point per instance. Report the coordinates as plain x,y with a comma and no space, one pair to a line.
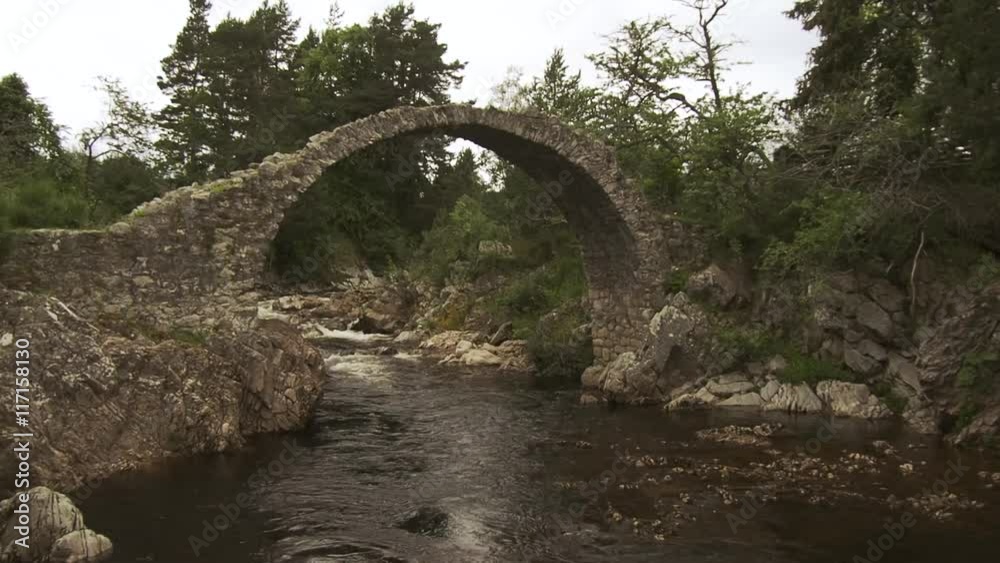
61,46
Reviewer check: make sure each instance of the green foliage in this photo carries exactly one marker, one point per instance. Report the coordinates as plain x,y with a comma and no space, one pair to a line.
893,400
676,281
188,337
455,238
558,347
978,373
747,344
531,295
832,230
807,369
966,414
985,272
36,200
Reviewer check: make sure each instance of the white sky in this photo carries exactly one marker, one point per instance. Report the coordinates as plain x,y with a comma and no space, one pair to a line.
61,46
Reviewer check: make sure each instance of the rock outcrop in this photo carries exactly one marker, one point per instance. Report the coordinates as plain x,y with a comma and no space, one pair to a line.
104,401
57,532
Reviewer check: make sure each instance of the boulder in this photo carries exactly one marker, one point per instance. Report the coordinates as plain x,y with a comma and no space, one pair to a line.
794,399
904,371
744,400
714,285
887,296
503,334
860,363
481,358
776,365
875,319
58,534
851,399
114,401
732,384
81,546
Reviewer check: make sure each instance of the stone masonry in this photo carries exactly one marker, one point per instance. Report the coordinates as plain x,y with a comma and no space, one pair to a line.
196,256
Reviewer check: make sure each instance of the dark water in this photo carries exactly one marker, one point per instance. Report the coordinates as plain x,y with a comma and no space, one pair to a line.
408,461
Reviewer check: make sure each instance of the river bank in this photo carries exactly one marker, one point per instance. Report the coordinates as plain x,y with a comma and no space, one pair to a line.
409,460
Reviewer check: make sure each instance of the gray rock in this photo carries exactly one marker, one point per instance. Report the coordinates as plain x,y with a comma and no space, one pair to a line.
795,399
904,371
714,285
851,399
503,334
703,398
887,296
57,531
481,358
770,390
744,400
875,319
832,349
82,546
853,336
776,365
873,350
733,384
860,363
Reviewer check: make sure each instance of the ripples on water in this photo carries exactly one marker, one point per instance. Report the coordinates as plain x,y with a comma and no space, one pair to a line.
411,462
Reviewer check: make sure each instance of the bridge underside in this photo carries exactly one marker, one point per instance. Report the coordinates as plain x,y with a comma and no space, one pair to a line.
196,256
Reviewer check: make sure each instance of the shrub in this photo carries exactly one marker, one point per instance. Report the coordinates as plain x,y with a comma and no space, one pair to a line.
807,369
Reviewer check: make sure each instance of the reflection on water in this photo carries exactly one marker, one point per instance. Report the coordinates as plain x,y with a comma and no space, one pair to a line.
409,461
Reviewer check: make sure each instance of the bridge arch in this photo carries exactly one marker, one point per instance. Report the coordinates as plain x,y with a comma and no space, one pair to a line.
211,241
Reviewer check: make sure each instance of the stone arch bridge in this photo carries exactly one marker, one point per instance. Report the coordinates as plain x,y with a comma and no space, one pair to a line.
201,250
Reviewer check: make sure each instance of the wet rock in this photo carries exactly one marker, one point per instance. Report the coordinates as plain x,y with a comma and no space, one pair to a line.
851,399
481,358
58,533
795,399
425,521
703,398
408,338
82,546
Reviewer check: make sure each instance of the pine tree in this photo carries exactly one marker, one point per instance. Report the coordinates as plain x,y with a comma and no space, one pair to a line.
186,121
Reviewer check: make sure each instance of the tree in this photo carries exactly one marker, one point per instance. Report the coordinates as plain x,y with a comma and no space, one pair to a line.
378,201
185,81
27,133
126,131
561,94
253,65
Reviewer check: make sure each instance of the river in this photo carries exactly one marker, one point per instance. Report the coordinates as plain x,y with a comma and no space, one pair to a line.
408,461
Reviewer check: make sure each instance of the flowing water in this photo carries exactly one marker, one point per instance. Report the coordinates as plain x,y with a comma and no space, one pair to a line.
410,461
